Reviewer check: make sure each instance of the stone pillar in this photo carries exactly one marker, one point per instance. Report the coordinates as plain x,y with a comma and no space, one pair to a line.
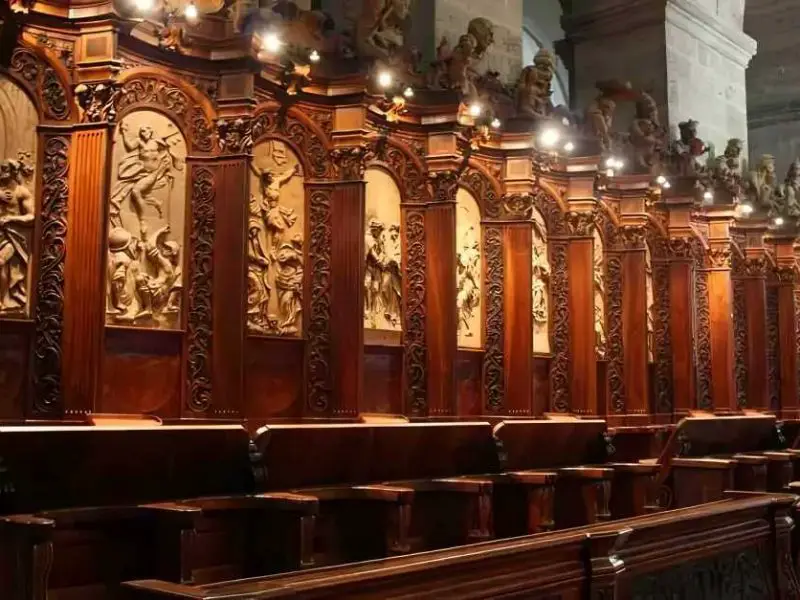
691,55
720,309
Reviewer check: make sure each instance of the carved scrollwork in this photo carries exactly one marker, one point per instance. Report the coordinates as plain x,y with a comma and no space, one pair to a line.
662,338
42,81
720,258
632,237
773,350
50,288
483,189
517,206
410,176
786,275
493,356
319,383
753,266
703,340
581,224
415,356
444,185
200,321
96,101
740,341
551,212
682,247
143,92
559,367
308,144
350,162
235,136
614,345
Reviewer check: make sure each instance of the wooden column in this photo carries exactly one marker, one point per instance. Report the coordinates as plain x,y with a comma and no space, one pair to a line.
84,271
720,303
788,325
750,317
681,298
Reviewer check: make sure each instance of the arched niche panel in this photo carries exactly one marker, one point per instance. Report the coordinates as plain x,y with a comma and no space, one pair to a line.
599,277
276,228
18,121
146,223
469,271
383,255
540,271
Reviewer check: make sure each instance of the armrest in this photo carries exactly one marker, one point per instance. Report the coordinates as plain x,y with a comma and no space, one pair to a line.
589,473
278,501
379,493
703,463
750,459
532,477
180,515
779,455
794,487
29,524
458,485
73,517
635,468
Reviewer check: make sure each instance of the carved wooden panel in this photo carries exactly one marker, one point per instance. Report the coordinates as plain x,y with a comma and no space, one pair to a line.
469,283
614,353
703,337
273,378
559,317
662,337
740,340
493,368
415,357
773,350
540,289
42,82
796,295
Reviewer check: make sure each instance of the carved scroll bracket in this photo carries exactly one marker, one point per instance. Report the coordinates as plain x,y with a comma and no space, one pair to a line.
96,101
581,223
719,257
632,237
350,162
682,248
444,185
235,135
786,275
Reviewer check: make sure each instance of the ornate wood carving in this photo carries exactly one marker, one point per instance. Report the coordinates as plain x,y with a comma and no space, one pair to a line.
307,143
235,136
319,378
445,185
415,357
773,349
483,189
614,345
797,333
50,288
682,248
42,82
720,258
662,338
632,237
406,171
350,162
559,317
580,224
96,101
200,319
493,357
551,213
143,92
703,339
740,340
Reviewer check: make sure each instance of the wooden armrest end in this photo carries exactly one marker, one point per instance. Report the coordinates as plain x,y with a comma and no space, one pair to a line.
29,523
533,477
597,473
703,463
635,468
750,459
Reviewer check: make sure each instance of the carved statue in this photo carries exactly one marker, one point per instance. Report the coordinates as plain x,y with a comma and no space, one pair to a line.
379,29
468,295
540,270
456,69
275,255
599,115
599,302
149,166
534,86
16,214
761,186
382,277
391,287
789,196
373,275
685,151
647,136
300,30
727,173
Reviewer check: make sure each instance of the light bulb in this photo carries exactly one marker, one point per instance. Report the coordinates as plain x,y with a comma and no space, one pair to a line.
778,221
549,138
496,123
190,12
708,195
475,109
385,79
569,147
747,209
143,5
666,185
611,162
565,121
408,92
314,56
271,43
661,180
610,172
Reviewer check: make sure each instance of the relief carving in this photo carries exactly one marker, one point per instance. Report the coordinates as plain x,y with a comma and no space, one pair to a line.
599,278
760,186
415,357
540,278
740,341
685,152
96,101
580,224
651,304
16,225
662,339
720,258
703,339
382,277
275,243
468,277
319,379
613,350
235,136
559,367
493,358
456,68
773,350
146,214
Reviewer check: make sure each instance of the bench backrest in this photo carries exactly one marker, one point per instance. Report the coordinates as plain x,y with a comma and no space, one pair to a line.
305,455
542,444
52,467
715,436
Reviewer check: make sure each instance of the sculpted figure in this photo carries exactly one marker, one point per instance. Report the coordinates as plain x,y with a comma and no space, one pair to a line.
456,69
761,184
16,214
534,86
541,275
391,286
599,305
258,288
122,252
686,151
468,295
379,29
728,168
373,275
289,284
149,166
790,192
646,136
278,219
599,118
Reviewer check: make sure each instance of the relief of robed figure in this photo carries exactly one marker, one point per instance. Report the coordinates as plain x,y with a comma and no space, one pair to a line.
16,215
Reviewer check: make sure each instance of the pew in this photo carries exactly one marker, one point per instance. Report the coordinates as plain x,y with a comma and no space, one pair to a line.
707,455
382,488
736,549
85,507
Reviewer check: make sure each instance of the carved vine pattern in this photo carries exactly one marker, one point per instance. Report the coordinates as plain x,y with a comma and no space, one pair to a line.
42,82
796,294
740,340
773,349
411,178
415,356
493,357
703,337
148,90
662,335
319,378
50,288
200,320
483,190
614,345
305,139
559,317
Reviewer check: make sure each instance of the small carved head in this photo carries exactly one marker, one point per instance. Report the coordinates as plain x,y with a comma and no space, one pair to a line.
394,231
119,239
793,175
482,30
767,164
545,60
401,8
688,130
297,241
376,227
734,148
146,133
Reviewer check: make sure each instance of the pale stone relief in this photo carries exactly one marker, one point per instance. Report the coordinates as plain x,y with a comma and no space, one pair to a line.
468,270
275,227
651,306
599,297
147,208
383,249
540,271
18,120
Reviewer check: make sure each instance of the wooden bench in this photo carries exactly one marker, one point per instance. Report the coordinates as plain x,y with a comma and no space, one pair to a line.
707,455
88,507
735,549
382,488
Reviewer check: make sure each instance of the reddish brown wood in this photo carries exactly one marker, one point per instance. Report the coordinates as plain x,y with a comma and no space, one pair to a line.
720,297
755,298
541,385
383,371
583,364
347,297
634,331
518,319
15,339
681,311
469,383
440,233
787,344
273,378
84,292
